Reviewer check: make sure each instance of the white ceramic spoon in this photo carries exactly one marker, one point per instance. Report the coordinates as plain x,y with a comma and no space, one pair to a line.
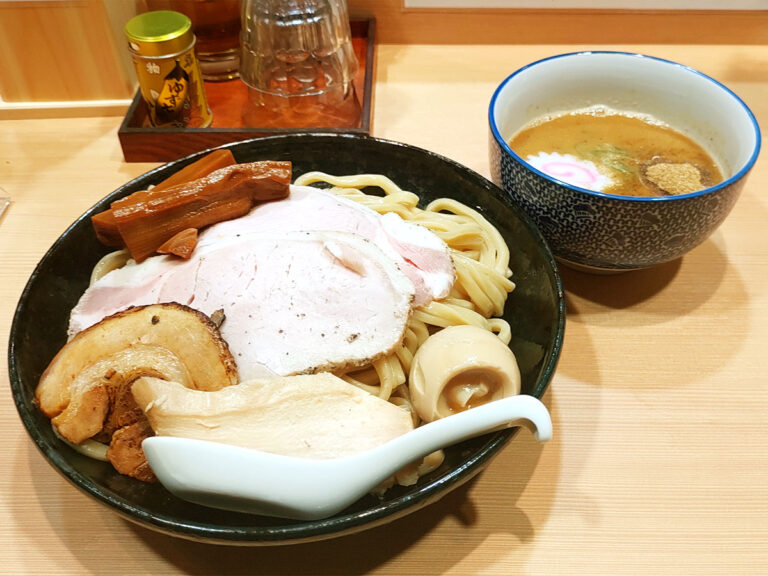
247,480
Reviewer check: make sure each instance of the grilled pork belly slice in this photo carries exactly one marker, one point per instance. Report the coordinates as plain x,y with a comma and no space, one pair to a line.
86,388
190,335
299,302
125,453
97,392
310,416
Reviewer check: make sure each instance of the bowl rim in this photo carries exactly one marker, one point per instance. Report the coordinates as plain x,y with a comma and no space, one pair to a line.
724,184
289,532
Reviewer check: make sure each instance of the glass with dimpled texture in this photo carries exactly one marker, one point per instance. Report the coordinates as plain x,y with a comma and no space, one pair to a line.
299,64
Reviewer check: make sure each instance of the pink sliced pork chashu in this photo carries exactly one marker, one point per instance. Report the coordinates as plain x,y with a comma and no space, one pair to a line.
294,302
298,303
418,252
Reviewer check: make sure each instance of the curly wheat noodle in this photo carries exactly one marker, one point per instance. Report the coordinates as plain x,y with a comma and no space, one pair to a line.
109,262
481,260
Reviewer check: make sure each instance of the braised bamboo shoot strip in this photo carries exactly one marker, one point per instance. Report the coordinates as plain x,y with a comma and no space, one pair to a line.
148,219
104,223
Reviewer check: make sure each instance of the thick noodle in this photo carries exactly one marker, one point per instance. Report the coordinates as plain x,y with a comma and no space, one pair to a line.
109,262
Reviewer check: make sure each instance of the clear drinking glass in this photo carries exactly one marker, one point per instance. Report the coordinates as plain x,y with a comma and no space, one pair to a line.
298,61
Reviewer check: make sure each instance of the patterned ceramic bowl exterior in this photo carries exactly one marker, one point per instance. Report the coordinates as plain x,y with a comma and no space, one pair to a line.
606,233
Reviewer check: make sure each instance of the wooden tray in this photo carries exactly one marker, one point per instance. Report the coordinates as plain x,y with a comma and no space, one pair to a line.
144,143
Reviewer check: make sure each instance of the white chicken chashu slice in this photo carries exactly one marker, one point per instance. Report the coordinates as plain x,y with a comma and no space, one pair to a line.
310,416
297,303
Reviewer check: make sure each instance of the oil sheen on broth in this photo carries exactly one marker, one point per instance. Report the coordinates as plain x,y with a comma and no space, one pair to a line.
616,153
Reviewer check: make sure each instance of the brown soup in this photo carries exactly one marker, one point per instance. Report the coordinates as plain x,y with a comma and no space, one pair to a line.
634,156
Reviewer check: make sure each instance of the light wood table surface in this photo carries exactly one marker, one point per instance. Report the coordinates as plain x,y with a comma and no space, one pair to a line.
659,464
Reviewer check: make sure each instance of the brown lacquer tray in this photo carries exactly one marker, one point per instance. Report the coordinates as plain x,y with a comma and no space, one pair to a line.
142,142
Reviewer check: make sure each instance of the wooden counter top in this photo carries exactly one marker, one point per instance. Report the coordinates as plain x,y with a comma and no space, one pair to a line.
659,464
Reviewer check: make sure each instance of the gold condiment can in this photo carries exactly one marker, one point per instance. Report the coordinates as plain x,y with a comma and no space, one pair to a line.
163,46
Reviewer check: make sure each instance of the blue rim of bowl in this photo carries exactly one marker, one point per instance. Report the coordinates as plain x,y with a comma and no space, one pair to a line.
740,174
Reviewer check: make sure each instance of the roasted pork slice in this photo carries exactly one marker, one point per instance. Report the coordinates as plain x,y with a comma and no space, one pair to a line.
125,453
298,302
96,393
86,388
187,333
311,416
419,253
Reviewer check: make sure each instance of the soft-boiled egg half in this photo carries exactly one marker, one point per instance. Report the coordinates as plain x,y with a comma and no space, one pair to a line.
461,367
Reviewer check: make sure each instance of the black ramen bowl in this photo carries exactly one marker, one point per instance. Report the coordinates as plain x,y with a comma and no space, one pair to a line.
536,311
607,233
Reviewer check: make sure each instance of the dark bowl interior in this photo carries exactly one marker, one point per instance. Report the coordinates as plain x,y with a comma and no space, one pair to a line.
536,308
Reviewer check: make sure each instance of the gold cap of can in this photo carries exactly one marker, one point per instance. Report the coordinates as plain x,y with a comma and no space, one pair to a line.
159,33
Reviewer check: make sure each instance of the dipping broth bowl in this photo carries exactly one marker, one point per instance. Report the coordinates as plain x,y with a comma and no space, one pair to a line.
607,233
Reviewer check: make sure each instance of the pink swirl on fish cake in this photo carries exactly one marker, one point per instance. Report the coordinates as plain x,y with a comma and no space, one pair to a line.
570,169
